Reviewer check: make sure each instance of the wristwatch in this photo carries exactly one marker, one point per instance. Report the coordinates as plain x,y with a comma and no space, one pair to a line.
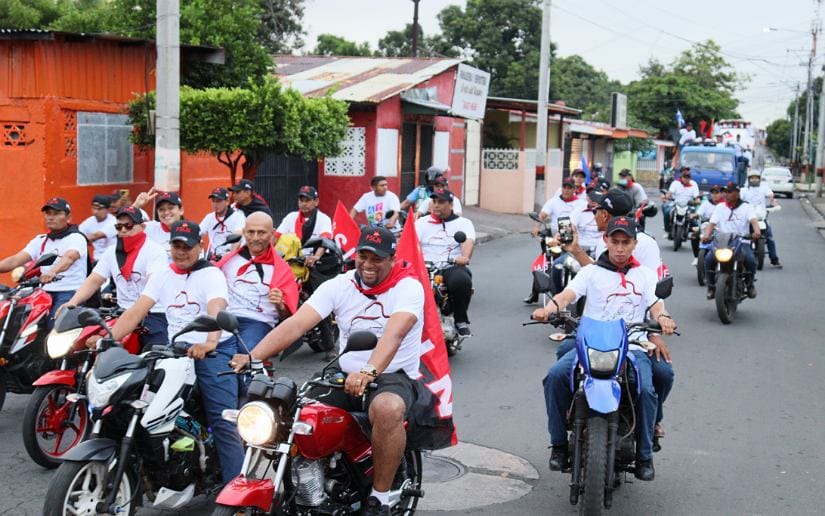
369,370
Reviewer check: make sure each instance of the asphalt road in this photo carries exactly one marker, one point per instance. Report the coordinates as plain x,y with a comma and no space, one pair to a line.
745,421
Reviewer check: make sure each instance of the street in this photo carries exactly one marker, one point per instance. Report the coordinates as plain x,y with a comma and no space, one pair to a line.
745,421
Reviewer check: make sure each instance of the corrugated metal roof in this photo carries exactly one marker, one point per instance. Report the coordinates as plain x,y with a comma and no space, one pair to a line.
357,79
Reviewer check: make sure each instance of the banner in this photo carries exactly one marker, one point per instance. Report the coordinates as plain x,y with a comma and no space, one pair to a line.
345,231
586,170
539,264
434,367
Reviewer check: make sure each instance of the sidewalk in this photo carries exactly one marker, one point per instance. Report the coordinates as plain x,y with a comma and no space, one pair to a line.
491,225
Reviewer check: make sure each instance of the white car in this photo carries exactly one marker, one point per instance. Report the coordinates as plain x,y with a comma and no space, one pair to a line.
779,179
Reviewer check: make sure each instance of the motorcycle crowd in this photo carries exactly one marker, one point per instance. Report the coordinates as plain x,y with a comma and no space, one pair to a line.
147,342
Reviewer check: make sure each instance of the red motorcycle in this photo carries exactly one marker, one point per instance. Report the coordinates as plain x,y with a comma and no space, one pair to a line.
56,418
24,311
305,457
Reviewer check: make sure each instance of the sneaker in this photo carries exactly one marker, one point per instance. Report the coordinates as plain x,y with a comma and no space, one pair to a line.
752,291
776,265
658,430
463,330
711,293
695,262
644,470
559,457
373,507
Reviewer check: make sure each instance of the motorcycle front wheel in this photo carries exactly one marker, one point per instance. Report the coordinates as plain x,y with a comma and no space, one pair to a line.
760,253
725,297
700,267
47,431
78,488
677,237
594,472
226,510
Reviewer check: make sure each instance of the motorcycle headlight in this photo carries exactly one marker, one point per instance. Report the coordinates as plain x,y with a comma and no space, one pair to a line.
58,344
572,264
257,423
602,361
723,255
101,392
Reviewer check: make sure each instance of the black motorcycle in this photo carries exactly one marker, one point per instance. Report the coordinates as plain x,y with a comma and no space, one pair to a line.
731,277
442,299
559,269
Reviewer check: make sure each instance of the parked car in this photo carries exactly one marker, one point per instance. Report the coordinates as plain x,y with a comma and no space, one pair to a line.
709,165
780,180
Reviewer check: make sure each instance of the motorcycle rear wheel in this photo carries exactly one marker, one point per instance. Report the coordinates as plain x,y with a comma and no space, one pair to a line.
2,392
44,421
677,237
700,267
725,298
594,472
760,253
67,488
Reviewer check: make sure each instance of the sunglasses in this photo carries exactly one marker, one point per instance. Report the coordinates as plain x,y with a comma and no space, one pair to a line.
124,225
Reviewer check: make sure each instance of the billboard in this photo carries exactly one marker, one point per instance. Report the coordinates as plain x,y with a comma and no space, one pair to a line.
470,96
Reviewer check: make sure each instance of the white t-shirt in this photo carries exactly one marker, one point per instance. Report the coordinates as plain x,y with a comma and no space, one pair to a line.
323,226
155,233
375,208
424,207
682,194
686,136
756,195
646,252
185,297
589,234
706,209
558,207
107,226
74,276
437,239
150,259
218,231
356,312
733,221
248,293
608,299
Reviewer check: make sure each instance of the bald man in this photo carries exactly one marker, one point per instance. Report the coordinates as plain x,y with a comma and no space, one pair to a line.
262,289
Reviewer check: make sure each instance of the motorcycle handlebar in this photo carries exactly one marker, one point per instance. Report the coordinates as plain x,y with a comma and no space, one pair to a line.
325,383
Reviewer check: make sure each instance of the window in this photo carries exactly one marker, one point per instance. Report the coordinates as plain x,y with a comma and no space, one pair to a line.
104,152
352,160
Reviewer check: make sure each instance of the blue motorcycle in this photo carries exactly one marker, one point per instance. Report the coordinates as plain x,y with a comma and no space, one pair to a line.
704,249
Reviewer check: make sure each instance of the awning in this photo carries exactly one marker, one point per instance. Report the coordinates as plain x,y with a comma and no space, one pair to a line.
423,101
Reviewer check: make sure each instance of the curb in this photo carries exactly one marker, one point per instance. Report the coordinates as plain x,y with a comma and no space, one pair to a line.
816,215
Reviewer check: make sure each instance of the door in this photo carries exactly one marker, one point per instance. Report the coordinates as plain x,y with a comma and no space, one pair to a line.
416,153
278,179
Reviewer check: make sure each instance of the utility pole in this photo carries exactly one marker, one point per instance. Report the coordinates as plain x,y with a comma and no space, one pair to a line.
820,134
415,29
544,86
167,114
795,134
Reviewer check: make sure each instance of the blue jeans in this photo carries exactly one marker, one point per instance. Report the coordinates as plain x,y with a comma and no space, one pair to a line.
747,255
156,331
557,398
58,299
219,393
252,332
667,208
771,243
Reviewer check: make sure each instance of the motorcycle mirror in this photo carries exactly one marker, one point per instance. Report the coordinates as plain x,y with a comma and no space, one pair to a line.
201,323
361,341
664,287
68,319
233,238
535,216
227,321
389,214
89,317
650,210
460,237
46,259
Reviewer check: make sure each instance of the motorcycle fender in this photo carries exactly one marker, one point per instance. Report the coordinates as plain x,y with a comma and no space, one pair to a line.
100,449
58,377
247,492
602,395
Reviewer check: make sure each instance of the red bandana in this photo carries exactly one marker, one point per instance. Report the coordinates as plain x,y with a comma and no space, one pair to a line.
164,227
282,277
130,246
399,271
574,198
178,270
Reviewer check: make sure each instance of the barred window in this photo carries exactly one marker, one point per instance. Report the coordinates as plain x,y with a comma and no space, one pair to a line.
104,152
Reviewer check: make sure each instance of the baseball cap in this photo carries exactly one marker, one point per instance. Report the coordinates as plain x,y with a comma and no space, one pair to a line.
104,201
170,197
57,203
622,224
716,188
243,184
131,212
379,240
731,187
624,173
579,172
443,194
568,181
185,231
219,193
308,191
614,201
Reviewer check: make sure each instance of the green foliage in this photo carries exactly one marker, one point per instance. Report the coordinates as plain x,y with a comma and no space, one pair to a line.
581,86
779,137
331,45
30,14
280,30
397,43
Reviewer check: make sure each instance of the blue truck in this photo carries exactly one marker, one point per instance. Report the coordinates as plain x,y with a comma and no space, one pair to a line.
709,166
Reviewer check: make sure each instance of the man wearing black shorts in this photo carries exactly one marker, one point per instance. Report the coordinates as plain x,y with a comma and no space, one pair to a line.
382,296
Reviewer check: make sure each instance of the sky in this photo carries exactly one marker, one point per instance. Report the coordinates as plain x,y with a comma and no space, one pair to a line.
617,36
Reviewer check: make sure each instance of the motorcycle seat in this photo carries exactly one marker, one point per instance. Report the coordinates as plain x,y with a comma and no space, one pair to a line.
116,360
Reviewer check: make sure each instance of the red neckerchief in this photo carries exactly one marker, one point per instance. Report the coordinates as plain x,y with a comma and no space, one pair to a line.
580,189
572,199
399,271
222,221
164,227
126,252
282,277
200,264
630,183
605,263
435,220
733,206
57,235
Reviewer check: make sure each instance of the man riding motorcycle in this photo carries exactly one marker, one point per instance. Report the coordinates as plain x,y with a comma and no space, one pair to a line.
222,221
683,191
436,233
563,205
376,203
383,296
759,194
737,217
419,198
616,288
629,185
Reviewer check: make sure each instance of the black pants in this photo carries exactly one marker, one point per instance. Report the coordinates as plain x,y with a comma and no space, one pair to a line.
459,281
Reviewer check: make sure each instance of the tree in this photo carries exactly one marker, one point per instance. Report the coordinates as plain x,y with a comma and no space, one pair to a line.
331,45
397,43
581,86
30,14
779,137
280,30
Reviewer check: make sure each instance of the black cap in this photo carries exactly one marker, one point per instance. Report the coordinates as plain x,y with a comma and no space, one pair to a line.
219,193
379,240
579,172
57,203
104,201
308,191
443,194
616,202
131,212
731,187
624,224
716,188
568,181
624,173
185,231
243,184
170,197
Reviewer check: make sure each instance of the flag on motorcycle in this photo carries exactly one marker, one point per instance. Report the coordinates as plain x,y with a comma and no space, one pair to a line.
586,170
680,121
540,263
345,231
431,417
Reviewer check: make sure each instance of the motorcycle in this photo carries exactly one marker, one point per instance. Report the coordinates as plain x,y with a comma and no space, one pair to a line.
731,277
759,244
53,425
24,311
681,220
218,252
150,436
562,266
704,248
305,457
602,418
442,300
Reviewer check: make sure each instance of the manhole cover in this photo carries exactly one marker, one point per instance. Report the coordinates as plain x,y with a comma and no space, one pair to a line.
440,469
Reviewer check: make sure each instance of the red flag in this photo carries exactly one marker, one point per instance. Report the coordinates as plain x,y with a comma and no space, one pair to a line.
709,133
434,367
540,263
345,231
